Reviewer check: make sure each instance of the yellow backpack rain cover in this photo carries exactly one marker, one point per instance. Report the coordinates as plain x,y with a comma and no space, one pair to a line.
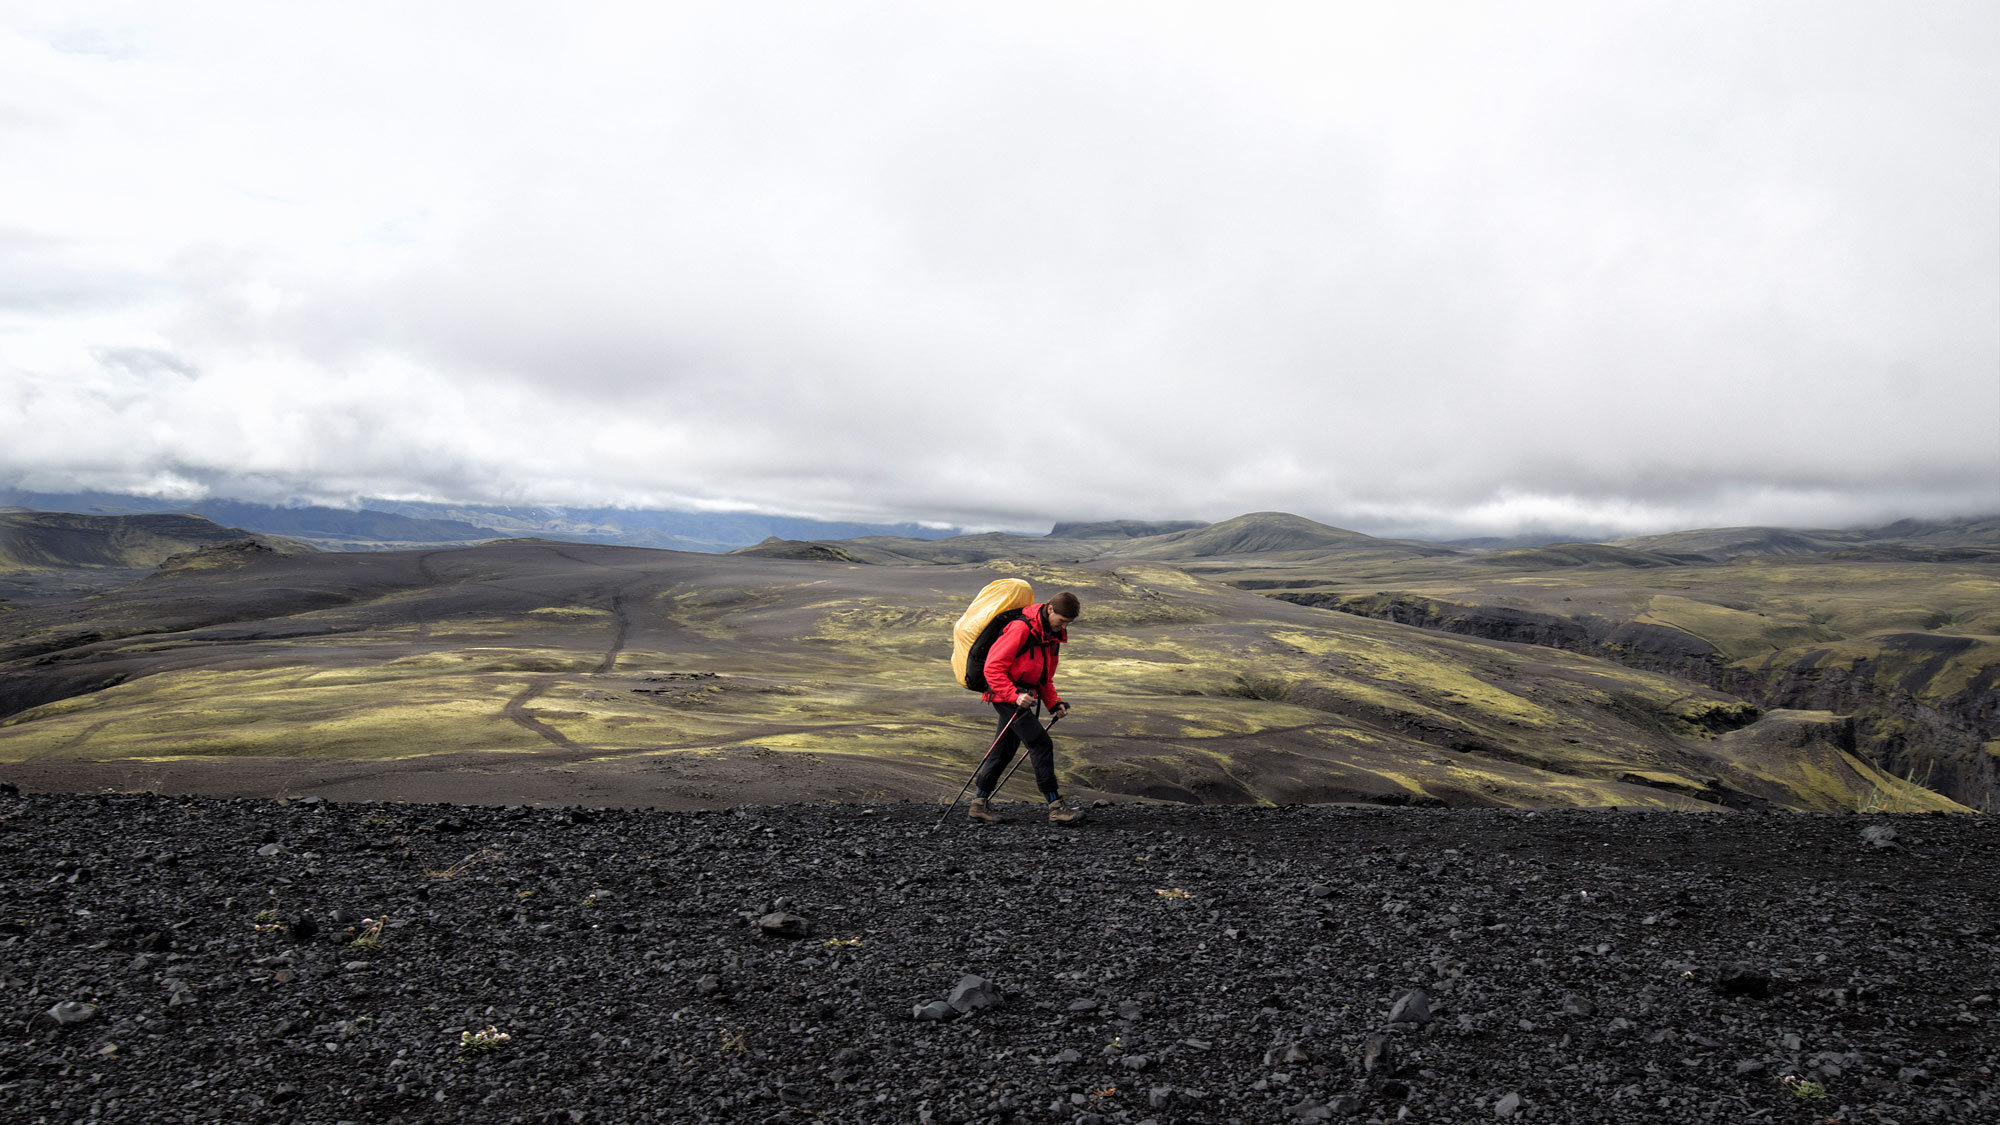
999,596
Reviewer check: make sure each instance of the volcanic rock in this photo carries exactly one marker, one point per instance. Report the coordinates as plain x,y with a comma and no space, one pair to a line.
69,1013
782,925
1413,1008
1736,979
973,993
514,990
1377,1056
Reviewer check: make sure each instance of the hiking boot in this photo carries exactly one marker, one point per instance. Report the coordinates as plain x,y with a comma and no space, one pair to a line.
982,809
1064,811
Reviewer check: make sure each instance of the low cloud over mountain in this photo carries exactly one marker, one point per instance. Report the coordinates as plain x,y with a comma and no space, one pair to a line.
1610,272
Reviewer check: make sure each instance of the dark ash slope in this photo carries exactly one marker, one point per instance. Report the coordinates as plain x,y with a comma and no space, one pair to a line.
1579,966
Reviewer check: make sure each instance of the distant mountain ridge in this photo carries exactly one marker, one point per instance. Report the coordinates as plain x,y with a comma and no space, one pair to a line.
705,532
338,526
1734,542
325,528
1278,537
1281,540
61,540
1122,529
387,524
1586,554
1266,533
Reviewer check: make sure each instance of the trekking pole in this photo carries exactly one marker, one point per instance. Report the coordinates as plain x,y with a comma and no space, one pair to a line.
1005,727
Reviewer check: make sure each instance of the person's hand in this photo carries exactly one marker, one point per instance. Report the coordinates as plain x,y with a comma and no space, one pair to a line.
1060,710
1025,701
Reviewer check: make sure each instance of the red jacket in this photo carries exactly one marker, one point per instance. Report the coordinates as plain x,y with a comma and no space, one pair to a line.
1024,654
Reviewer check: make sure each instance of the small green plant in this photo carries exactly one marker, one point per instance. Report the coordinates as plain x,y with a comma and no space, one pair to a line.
735,1042
1174,894
1805,1089
370,939
489,1039
840,943
483,855
267,921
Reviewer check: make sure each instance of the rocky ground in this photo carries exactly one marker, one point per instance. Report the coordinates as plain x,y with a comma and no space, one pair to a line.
174,959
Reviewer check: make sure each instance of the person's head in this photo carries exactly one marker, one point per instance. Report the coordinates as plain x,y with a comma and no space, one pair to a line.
1063,609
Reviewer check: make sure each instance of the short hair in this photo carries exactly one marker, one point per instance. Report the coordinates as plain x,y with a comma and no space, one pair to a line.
1066,604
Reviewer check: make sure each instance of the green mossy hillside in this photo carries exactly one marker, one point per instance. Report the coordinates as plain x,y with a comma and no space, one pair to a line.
592,658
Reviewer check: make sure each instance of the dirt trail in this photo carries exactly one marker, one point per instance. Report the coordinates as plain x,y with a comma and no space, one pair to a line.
623,618
516,711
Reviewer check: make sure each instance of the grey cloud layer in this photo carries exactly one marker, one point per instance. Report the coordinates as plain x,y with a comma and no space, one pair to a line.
1437,272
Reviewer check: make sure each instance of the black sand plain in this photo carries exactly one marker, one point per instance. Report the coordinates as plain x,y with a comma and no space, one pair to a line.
167,959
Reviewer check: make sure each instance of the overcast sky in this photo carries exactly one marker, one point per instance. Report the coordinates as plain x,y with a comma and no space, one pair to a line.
1440,269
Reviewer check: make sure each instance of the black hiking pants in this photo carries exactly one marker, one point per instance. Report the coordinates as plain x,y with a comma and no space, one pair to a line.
1041,750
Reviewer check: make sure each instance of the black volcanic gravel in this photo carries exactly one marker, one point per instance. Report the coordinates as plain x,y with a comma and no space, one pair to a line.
1156,963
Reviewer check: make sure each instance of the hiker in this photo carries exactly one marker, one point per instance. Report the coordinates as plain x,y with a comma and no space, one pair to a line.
1020,672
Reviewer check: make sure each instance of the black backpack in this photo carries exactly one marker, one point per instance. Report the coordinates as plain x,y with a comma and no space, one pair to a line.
975,660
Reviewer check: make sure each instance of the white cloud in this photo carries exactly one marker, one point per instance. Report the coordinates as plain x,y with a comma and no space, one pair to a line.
1421,268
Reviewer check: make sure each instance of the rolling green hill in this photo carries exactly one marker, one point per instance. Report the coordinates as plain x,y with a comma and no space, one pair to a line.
1904,640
